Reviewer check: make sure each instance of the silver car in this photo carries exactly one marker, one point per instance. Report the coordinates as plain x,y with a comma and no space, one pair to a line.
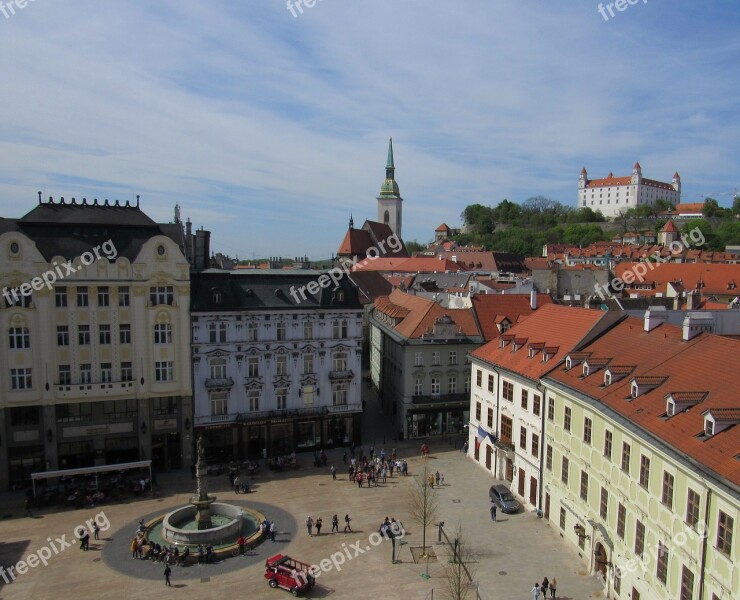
503,498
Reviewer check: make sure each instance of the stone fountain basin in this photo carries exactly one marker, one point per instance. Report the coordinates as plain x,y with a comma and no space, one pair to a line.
174,532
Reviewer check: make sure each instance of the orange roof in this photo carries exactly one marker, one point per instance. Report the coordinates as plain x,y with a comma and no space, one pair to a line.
382,263
442,227
610,180
355,242
695,207
704,367
489,307
426,264
708,278
669,227
551,326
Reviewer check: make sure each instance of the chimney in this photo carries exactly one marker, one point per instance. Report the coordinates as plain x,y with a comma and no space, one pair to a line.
654,316
533,300
692,300
696,323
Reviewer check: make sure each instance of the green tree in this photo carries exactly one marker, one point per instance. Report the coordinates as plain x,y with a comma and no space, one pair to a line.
414,246
478,218
736,205
711,208
423,504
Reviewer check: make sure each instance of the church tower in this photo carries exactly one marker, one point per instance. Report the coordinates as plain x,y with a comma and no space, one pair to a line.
389,200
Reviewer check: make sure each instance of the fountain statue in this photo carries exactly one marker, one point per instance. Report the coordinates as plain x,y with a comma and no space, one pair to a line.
202,501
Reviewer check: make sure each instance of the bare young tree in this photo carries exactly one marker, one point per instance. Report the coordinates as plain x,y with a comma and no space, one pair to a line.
423,505
458,575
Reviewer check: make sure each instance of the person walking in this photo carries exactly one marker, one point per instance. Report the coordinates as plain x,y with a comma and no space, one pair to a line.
333,472
135,548
441,479
335,524
319,523
96,531
553,587
436,478
493,511
273,531
309,525
347,519
536,591
544,586
344,457
167,573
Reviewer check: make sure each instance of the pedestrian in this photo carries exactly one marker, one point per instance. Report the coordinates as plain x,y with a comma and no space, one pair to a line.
134,548
347,519
436,477
335,524
167,573
85,541
96,530
344,457
28,507
441,479
545,586
493,511
319,523
536,591
333,472
309,525
553,587
273,531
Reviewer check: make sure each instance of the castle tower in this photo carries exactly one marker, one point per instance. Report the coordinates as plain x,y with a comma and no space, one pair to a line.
677,184
636,174
389,200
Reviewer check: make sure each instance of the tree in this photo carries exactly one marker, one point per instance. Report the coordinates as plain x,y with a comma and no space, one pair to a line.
458,576
414,246
478,218
711,208
423,505
736,205
662,205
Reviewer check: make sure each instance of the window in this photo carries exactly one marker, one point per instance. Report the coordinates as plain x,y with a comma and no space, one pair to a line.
507,429
724,533
103,296
219,403
252,332
564,470
452,385
535,445
127,372
584,486
562,518
477,410
281,396
644,470
85,373
639,538
525,399
308,363
667,496
124,296
83,298
551,409
106,372
418,359
490,383
566,418
60,297
254,400
216,333
536,401
253,366
307,330
467,382
548,460
490,418
617,578
62,335
523,438
687,584
621,519
339,394
435,388
104,334
604,504
20,338
436,358
508,391
121,409
339,329
339,361
163,371
608,444
587,424
163,333
692,508
662,566
280,331
281,365
479,378
626,457
65,375
124,333
453,357
162,294
218,368
419,388
83,335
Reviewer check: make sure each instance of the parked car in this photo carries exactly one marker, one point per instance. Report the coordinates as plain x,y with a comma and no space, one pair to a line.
289,574
503,498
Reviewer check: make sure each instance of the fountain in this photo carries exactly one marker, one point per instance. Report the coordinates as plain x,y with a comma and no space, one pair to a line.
202,501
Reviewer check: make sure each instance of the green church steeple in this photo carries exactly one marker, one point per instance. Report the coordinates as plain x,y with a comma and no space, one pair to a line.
390,187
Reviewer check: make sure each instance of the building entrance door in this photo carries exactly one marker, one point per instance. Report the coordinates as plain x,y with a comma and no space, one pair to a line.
489,452
522,477
533,491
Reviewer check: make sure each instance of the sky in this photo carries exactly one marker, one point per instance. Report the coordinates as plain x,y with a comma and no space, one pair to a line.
270,129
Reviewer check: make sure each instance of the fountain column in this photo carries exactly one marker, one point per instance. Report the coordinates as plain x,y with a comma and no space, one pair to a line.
202,501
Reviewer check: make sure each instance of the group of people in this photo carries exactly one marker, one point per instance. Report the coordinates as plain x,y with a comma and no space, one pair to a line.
436,478
319,523
375,468
268,529
542,588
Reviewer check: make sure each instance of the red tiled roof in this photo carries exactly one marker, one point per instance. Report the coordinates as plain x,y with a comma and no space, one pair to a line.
442,227
703,367
610,180
489,307
669,227
725,414
710,279
355,242
427,264
695,207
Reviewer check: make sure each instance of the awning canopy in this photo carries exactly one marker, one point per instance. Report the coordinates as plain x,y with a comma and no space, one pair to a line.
141,464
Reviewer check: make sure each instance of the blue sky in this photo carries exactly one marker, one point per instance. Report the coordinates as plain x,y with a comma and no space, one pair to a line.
269,129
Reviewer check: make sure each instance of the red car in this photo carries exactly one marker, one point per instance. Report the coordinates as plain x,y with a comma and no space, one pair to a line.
289,574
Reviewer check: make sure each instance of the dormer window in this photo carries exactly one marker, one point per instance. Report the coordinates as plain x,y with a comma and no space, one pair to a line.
217,296
568,363
607,378
670,407
719,419
709,427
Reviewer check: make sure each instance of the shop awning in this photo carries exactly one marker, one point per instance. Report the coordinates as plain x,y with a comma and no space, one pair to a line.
141,464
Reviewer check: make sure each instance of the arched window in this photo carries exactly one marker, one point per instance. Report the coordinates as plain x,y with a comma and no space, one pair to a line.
386,218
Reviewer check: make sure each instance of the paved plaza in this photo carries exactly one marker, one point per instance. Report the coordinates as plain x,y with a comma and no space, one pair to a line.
510,555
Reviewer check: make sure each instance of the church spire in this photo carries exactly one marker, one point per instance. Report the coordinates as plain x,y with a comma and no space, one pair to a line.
389,164
351,222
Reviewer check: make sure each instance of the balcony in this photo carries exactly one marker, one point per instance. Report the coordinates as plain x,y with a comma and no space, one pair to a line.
219,382
505,444
216,419
86,390
345,408
340,375
441,399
